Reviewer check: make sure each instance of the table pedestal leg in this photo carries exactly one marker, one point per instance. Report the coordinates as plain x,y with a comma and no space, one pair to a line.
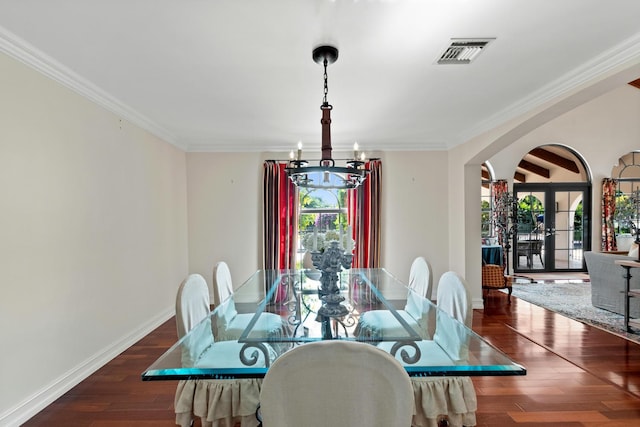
326,328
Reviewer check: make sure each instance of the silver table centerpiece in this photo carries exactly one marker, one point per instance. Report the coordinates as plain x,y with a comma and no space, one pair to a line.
330,263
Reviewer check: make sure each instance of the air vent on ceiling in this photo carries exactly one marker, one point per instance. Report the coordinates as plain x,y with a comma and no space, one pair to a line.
463,51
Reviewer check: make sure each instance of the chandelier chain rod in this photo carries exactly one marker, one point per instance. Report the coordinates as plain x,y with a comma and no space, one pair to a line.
326,85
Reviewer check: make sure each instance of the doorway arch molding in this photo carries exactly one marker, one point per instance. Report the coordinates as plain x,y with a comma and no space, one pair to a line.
572,152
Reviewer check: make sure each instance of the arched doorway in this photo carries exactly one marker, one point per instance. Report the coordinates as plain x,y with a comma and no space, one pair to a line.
553,191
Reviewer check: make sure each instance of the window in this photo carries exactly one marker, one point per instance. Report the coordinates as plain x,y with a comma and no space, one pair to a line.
628,178
487,205
323,217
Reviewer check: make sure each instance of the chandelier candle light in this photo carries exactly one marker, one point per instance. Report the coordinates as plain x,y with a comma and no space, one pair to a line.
327,175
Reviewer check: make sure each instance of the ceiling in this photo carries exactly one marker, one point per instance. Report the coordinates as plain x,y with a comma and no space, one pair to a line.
237,75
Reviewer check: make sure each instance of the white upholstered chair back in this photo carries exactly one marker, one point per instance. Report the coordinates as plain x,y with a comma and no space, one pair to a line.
420,277
222,284
454,298
336,383
192,308
192,303
208,399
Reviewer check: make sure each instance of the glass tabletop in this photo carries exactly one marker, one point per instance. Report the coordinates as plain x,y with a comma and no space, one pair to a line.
276,310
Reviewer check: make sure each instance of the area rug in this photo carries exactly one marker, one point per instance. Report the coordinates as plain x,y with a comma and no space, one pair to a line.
572,299
552,277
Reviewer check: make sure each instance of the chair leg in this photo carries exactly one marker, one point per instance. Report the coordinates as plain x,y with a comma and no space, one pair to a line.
443,421
259,416
509,292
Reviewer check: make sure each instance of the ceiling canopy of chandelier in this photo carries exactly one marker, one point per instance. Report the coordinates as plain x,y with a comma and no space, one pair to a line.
326,174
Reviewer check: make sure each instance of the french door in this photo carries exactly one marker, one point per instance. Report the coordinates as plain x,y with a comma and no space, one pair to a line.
553,227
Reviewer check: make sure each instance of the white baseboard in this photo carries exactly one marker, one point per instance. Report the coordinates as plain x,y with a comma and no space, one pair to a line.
477,303
35,403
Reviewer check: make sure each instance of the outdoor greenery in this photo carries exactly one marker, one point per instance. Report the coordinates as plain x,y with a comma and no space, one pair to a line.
626,212
486,219
577,223
530,203
311,199
529,207
319,226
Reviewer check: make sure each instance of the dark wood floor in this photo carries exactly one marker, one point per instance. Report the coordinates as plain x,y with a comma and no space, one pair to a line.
577,375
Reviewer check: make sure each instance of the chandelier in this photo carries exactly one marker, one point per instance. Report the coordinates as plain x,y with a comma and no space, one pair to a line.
326,174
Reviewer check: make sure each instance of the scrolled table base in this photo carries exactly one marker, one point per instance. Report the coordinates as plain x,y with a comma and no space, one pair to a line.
404,354
253,357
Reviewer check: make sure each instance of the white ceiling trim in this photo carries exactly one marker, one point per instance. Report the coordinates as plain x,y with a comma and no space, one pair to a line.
231,147
238,146
22,51
624,53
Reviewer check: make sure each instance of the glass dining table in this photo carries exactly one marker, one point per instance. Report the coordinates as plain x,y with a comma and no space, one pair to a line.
423,338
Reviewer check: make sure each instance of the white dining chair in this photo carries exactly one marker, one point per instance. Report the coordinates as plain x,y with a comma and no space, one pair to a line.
453,297
453,397
376,324
231,324
336,383
218,403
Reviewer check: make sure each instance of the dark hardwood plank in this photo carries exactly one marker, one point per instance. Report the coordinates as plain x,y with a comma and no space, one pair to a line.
577,375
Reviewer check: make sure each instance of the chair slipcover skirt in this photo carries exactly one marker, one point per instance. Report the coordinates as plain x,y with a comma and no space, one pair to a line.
454,397
219,403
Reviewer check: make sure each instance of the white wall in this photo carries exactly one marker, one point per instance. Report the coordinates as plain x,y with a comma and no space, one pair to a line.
415,211
225,213
94,237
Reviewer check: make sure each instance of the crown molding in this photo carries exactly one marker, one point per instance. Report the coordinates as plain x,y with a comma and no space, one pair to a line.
19,49
619,56
202,146
426,145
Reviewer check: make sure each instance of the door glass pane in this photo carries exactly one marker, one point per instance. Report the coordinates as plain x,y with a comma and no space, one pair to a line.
529,248
568,228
